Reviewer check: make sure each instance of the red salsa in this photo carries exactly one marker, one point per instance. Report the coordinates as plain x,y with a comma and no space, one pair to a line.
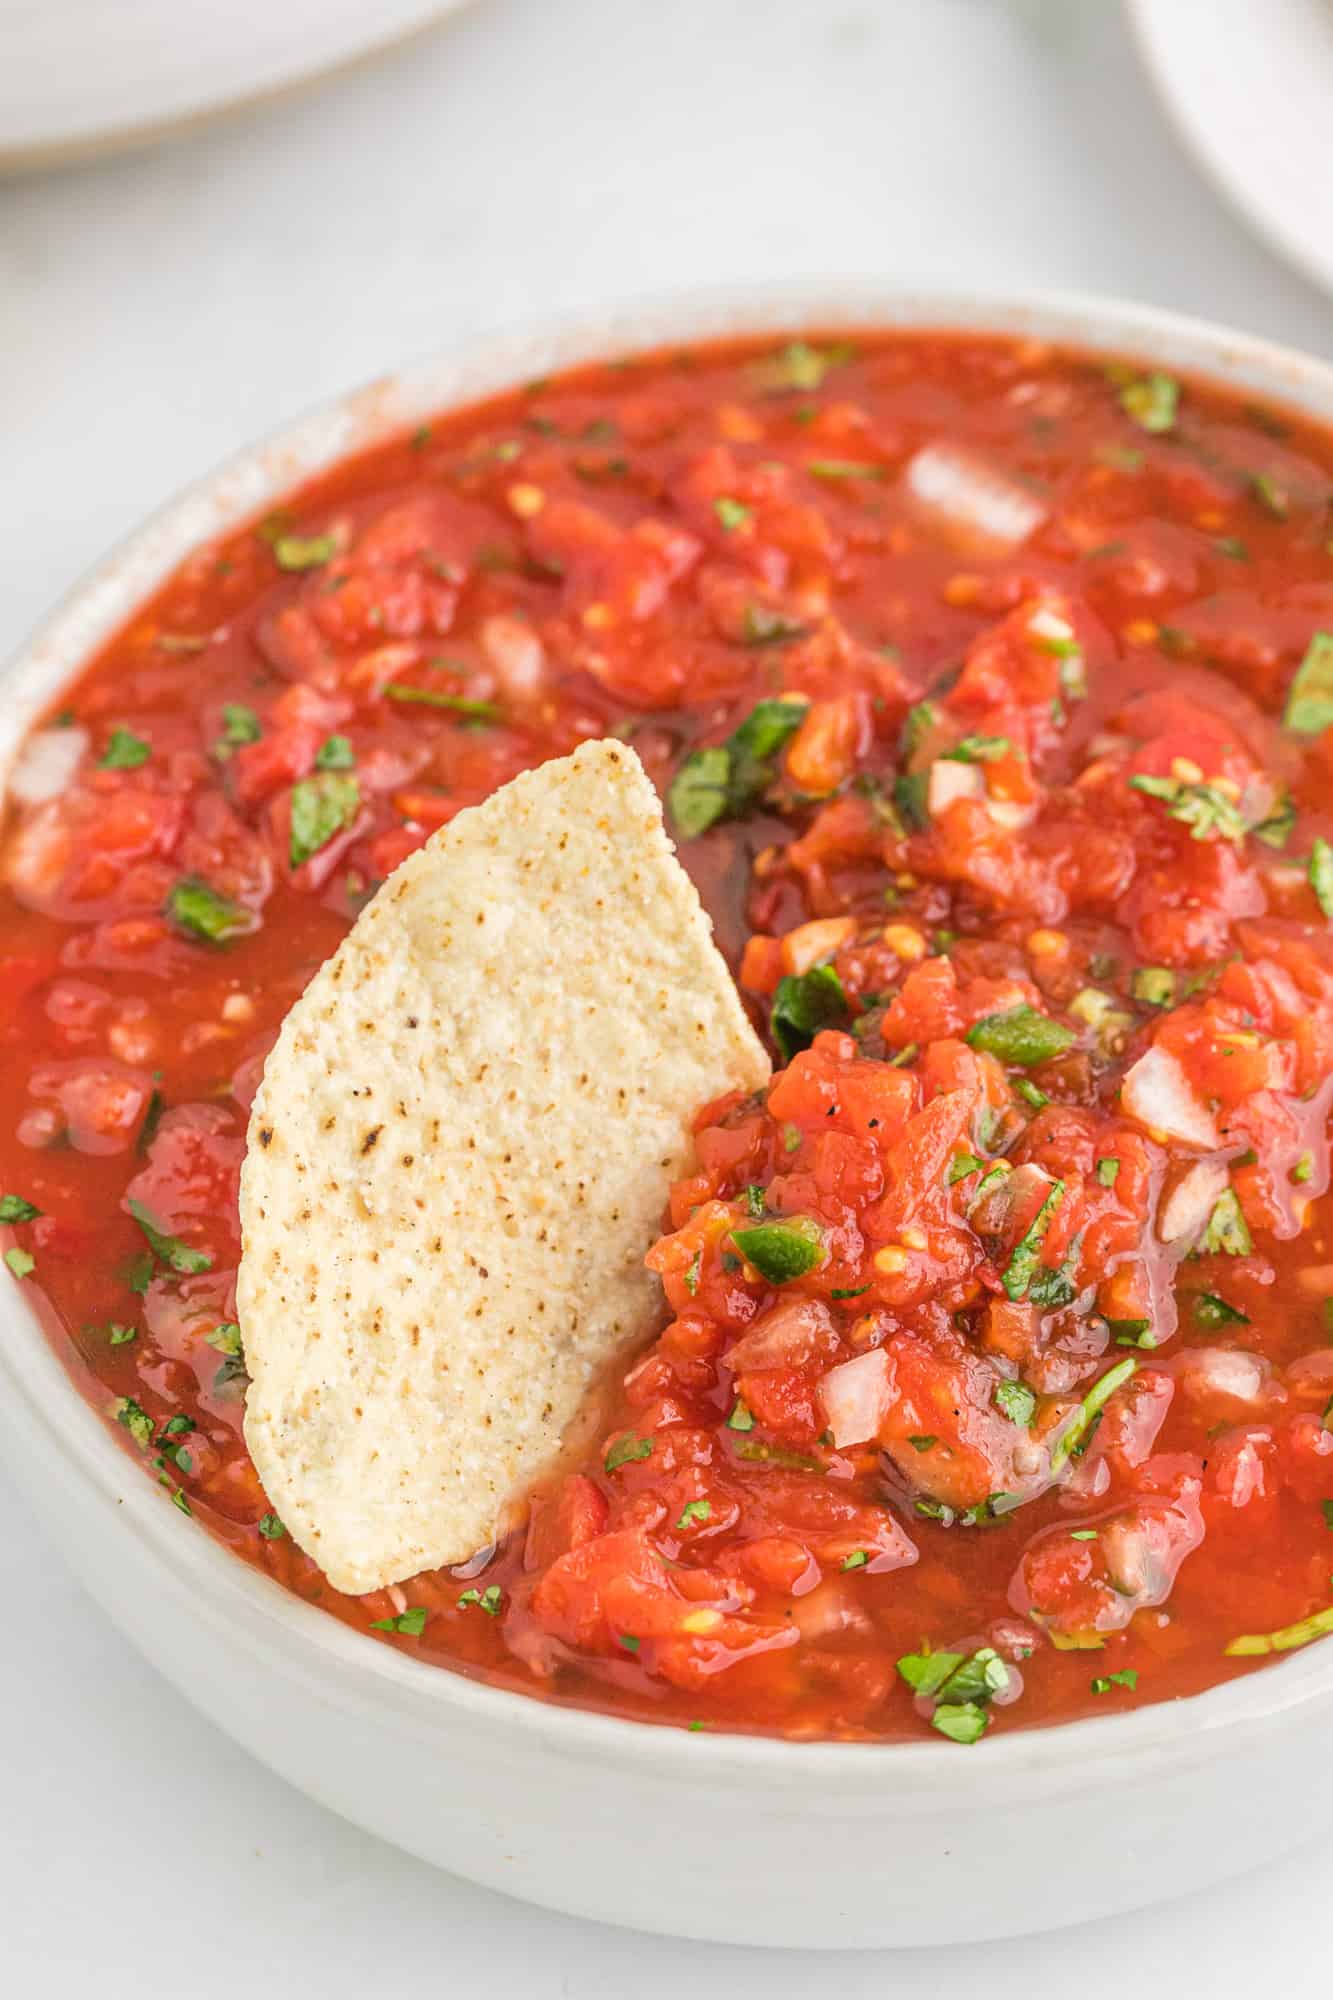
989,689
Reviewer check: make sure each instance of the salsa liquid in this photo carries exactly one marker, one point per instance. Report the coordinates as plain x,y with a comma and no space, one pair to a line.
987,688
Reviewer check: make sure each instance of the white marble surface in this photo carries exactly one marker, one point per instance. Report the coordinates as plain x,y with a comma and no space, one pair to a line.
156,310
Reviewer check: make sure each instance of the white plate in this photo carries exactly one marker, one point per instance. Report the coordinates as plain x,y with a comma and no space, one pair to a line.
79,75
1249,85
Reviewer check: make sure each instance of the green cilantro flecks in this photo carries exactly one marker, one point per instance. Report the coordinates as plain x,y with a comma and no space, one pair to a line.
321,807
804,1003
1309,708
724,780
194,907
124,751
411,1623
169,1250
488,1600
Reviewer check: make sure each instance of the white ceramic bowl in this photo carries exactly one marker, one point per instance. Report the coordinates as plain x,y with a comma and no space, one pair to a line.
705,1835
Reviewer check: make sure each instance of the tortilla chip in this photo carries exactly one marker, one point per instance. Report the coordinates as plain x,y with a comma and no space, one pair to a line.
459,1154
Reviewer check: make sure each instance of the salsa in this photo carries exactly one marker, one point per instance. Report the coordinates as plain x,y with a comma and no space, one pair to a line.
989,687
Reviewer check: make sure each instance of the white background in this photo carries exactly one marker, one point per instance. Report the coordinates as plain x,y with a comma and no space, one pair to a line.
156,311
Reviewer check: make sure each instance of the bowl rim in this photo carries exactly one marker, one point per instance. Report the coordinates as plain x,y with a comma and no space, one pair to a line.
280,1631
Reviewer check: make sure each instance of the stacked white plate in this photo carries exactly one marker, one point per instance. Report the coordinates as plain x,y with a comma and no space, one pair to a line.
1249,86
80,75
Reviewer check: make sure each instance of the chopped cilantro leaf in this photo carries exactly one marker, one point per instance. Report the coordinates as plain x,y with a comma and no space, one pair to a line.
923,1442
694,1510
411,1623
731,513
1309,707
135,1419
1127,1678
13,1208
240,725
124,752
1152,401
798,366
803,1004
1108,1169
723,780
856,1560
488,1600
177,1256
1017,1402
1227,1233
1207,812
335,753
271,1528
911,790
193,906
1021,1269
321,807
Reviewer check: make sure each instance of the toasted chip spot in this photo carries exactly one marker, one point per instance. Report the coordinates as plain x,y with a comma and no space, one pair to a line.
419,1339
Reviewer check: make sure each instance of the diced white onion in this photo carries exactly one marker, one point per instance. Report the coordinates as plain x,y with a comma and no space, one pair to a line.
950,780
1010,813
971,496
46,764
1158,1093
791,1336
1048,624
856,1397
1223,1371
1192,1201
515,654
813,943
